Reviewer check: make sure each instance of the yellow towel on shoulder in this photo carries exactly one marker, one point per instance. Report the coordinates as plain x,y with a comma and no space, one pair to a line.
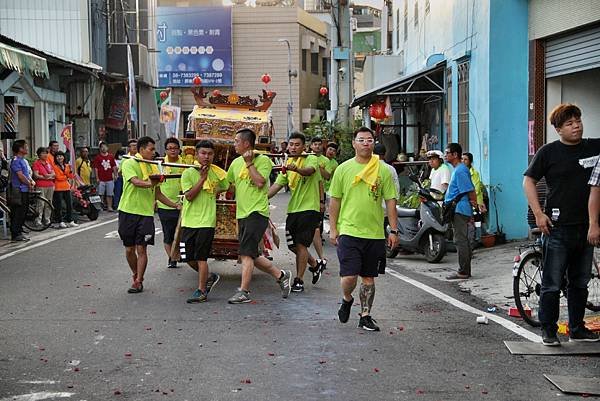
148,169
369,173
209,185
175,170
294,177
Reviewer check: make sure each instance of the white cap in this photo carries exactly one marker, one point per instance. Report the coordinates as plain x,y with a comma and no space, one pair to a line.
435,153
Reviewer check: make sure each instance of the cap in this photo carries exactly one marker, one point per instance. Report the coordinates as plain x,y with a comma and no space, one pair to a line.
435,153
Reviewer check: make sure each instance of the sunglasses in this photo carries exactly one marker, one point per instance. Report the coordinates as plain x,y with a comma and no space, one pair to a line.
365,140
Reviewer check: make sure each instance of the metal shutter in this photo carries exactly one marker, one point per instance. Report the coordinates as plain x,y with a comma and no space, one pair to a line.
572,53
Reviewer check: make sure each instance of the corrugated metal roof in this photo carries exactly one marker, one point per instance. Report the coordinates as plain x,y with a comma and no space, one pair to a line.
576,52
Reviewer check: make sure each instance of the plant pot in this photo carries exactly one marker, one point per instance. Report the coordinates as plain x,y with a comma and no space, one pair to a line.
488,240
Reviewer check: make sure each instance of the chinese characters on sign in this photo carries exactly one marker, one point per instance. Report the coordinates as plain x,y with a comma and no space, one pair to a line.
194,41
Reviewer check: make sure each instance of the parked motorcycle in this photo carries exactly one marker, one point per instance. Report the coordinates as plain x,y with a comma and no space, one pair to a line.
421,230
87,202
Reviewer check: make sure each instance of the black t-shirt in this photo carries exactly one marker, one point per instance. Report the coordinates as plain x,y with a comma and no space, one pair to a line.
567,169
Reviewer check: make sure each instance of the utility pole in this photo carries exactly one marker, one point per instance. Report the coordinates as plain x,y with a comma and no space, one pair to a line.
290,108
342,71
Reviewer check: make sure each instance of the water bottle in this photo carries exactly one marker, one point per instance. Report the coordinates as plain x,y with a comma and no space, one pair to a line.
477,218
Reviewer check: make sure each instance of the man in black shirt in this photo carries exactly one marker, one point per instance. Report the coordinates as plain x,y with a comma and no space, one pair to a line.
566,164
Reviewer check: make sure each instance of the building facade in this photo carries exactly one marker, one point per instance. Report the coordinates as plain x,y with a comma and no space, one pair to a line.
465,80
257,50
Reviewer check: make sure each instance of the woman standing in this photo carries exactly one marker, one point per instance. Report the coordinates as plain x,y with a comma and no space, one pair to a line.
62,191
43,174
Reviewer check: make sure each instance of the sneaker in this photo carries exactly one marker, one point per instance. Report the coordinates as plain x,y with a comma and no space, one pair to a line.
213,279
172,264
344,311
323,264
240,297
62,224
550,339
284,283
367,323
298,285
72,224
583,335
136,287
197,297
38,222
20,238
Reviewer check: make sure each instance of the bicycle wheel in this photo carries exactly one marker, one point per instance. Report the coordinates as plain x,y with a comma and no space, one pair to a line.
527,285
32,214
593,301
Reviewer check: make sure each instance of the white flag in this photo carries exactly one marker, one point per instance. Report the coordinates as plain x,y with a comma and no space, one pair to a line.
131,84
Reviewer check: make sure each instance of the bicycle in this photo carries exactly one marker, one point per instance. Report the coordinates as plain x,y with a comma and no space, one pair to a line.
527,281
32,216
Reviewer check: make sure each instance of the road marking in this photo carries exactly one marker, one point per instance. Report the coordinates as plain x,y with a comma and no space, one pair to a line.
515,328
49,240
37,396
38,382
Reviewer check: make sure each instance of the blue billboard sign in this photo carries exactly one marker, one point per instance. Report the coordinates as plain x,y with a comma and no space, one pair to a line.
194,41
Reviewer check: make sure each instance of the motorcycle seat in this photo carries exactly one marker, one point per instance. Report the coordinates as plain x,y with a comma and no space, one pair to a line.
405,212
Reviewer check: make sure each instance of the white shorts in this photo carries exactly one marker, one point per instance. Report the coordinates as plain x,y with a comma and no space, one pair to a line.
106,188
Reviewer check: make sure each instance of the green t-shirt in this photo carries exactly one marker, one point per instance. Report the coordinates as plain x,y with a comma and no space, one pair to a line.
135,200
329,167
249,198
171,187
202,211
361,213
306,194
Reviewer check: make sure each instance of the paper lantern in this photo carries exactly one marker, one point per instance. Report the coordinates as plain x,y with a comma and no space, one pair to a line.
216,93
163,95
197,80
323,91
377,111
266,78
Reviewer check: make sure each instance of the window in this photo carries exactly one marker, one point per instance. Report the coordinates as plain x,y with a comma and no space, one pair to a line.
405,20
416,13
427,6
325,62
304,56
463,104
314,63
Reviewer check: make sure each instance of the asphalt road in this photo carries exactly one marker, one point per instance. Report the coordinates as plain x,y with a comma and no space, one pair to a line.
69,330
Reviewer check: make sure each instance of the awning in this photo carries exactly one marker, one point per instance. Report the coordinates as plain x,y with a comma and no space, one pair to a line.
424,84
22,61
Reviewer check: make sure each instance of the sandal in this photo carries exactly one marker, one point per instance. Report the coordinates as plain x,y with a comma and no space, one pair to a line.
136,287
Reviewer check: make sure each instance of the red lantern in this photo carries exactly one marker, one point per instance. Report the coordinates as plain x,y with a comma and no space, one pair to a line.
216,93
197,80
163,95
377,111
266,78
323,91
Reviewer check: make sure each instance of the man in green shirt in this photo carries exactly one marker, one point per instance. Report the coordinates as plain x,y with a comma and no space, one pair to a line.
316,145
249,174
199,216
331,165
136,210
356,218
171,188
303,217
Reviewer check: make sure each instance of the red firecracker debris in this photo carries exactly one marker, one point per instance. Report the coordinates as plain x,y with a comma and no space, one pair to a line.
117,392
420,392
271,354
376,370
128,354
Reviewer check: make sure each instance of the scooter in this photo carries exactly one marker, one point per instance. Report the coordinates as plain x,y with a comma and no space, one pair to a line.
421,230
87,202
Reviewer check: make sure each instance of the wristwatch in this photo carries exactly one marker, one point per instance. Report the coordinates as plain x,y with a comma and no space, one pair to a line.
395,232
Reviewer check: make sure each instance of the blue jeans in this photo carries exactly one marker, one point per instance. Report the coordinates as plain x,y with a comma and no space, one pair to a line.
565,250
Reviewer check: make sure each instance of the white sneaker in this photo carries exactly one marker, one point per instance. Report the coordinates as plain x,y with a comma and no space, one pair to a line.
72,224
38,222
62,224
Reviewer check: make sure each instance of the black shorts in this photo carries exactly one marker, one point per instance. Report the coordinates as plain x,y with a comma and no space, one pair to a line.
250,233
360,256
168,220
195,243
135,229
300,228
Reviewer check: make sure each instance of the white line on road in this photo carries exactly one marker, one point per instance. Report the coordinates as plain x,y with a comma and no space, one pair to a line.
38,382
37,396
49,240
515,328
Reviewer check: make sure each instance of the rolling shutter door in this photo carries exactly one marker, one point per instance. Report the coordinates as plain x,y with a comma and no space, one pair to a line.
572,53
